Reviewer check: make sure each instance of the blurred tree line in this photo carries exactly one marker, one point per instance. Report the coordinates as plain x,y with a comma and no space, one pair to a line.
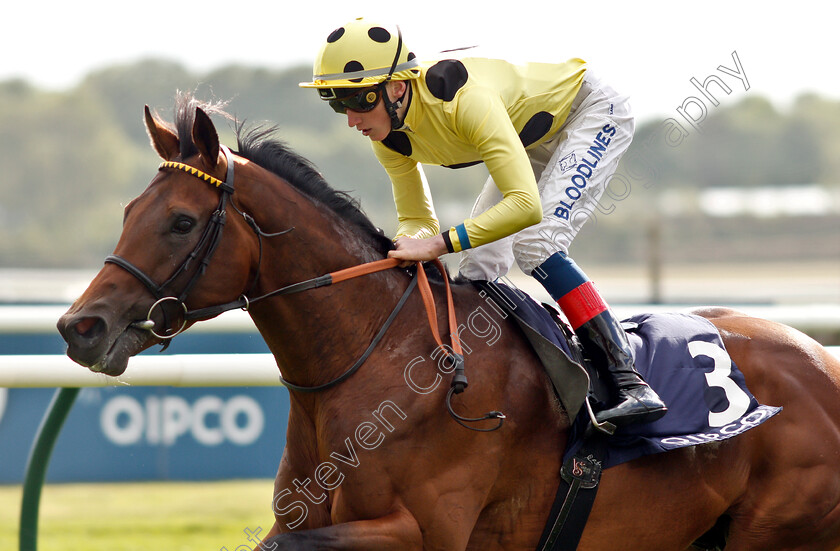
71,160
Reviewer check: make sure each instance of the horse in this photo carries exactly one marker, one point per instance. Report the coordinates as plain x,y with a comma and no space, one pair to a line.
373,460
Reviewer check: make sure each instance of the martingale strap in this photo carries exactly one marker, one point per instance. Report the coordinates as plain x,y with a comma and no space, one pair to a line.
368,351
428,302
455,352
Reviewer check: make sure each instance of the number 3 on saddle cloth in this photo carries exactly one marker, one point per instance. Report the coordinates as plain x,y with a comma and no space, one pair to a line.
681,356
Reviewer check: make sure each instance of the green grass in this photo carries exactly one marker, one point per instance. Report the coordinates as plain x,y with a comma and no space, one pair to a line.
165,516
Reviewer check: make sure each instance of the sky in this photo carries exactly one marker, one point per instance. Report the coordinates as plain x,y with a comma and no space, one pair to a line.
646,48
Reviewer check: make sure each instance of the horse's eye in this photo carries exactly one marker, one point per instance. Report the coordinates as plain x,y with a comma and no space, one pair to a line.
183,225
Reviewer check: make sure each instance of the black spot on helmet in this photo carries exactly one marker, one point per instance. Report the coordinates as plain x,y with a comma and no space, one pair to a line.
378,34
352,67
335,35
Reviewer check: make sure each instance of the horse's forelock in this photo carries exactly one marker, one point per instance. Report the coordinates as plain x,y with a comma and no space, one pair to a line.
185,105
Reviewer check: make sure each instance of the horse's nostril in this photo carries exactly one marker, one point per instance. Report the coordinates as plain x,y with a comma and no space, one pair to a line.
89,327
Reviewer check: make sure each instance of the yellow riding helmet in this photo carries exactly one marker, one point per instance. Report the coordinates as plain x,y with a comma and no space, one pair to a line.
361,54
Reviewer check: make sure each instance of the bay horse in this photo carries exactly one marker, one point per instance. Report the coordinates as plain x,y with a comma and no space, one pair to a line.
376,463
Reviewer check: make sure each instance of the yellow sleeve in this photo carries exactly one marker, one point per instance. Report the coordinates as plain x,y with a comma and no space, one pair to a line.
412,197
482,120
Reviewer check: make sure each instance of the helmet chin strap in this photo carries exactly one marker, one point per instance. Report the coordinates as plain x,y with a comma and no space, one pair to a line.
392,106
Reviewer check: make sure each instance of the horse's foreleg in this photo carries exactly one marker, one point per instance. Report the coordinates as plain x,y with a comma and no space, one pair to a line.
395,531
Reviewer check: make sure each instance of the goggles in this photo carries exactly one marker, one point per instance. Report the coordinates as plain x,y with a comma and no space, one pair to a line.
361,101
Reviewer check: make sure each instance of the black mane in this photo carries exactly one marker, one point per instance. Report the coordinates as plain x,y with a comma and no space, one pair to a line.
258,144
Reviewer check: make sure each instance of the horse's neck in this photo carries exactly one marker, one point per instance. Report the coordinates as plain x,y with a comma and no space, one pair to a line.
316,334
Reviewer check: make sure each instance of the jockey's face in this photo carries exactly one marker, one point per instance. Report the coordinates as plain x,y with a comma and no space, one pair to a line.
376,124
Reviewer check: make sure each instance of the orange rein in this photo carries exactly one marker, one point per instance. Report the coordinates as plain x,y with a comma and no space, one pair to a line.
459,380
425,292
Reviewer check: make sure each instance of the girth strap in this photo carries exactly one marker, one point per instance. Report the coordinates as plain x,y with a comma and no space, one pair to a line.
580,477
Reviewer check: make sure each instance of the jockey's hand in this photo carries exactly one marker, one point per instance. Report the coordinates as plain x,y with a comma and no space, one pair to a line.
413,250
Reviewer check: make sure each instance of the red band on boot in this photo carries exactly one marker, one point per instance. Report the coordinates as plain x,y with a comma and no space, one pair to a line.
581,304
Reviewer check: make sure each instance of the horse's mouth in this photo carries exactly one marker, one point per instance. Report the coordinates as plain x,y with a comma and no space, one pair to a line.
127,344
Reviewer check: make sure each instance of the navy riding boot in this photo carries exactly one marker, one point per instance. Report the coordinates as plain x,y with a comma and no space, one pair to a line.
602,338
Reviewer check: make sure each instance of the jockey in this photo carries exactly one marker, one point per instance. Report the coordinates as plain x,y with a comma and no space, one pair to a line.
551,136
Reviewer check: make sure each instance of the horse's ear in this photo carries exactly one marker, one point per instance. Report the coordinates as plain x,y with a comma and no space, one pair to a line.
205,137
165,142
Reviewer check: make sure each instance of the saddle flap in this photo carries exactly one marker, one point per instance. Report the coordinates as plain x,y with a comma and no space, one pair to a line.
569,378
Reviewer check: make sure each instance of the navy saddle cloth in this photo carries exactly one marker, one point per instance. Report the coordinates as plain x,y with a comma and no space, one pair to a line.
682,357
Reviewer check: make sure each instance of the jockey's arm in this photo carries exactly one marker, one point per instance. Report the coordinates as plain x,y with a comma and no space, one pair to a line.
483,123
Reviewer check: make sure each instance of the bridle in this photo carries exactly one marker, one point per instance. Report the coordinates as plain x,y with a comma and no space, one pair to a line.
209,241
